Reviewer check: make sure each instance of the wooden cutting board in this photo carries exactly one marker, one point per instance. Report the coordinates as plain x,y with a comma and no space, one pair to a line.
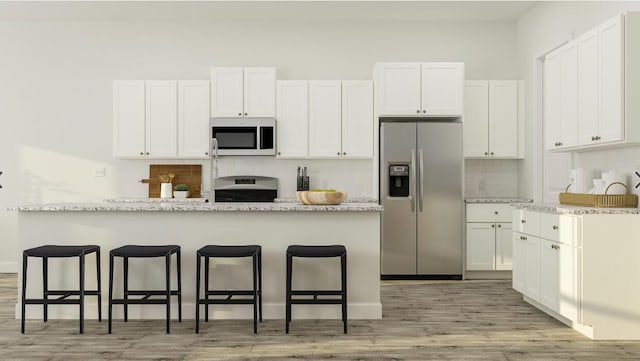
189,174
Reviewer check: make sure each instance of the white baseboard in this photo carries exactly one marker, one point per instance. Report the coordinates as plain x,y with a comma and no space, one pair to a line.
8,267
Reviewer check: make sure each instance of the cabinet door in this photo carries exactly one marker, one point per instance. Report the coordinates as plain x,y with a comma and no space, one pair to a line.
518,276
292,117
357,119
588,87
128,118
162,118
503,119
481,246
259,92
549,274
476,118
569,96
504,246
325,119
442,89
399,91
552,102
193,119
532,267
226,92
611,84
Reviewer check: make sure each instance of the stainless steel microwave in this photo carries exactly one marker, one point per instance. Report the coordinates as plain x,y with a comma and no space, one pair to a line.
243,136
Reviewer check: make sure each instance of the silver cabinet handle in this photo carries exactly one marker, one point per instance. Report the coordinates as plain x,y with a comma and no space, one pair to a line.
554,227
499,226
493,226
421,175
523,221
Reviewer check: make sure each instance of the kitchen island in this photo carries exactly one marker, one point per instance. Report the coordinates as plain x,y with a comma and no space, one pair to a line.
192,225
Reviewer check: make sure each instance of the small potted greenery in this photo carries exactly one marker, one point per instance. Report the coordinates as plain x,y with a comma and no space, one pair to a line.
181,191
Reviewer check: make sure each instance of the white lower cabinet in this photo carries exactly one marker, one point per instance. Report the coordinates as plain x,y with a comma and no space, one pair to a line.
546,261
488,246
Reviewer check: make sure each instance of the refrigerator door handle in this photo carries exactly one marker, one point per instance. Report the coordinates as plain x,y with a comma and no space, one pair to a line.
421,175
412,192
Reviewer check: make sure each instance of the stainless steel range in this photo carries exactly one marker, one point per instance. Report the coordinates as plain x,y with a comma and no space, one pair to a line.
245,188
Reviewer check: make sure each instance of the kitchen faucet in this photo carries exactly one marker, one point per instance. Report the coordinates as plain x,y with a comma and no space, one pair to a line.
213,169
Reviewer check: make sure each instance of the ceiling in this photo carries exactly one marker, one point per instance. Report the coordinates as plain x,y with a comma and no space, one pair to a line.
264,10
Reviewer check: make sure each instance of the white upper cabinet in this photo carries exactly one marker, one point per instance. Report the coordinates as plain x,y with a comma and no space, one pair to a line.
442,89
162,118
560,101
292,117
611,80
325,115
243,92
492,118
193,119
357,119
476,118
399,89
420,89
588,87
607,66
128,118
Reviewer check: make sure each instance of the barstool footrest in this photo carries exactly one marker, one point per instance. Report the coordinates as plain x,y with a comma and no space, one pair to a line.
152,293
52,301
226,301
316,302
154,301
231,293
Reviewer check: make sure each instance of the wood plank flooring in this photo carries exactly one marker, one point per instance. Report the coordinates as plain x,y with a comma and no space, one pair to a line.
422,320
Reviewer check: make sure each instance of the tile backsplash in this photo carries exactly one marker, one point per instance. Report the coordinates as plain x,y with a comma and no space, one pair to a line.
491,178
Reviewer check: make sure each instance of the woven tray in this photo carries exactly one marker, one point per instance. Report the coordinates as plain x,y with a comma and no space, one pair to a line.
600,200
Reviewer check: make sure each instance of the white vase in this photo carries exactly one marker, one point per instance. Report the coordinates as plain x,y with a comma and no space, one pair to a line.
165,190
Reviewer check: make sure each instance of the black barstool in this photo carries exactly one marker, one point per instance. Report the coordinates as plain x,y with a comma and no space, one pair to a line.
317,252
229,252
131,251
52,251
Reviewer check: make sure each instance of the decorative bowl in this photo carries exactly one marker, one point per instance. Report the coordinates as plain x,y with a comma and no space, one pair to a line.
321,197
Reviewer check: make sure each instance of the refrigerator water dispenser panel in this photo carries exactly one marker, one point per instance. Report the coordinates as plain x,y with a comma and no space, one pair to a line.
398,180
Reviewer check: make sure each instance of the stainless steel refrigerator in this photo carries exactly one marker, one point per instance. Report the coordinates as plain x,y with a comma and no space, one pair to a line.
421,177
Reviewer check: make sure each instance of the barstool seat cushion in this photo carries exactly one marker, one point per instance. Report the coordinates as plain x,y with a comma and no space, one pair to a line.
144,251
228,251
316,251
60,251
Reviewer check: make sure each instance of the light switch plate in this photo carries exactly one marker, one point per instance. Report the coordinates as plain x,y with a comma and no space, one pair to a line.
99,172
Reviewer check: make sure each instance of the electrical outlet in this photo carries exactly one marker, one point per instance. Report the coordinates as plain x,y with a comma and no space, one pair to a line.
99,172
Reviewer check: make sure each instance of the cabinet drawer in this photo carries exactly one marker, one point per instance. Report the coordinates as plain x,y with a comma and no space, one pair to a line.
549,226
494,212
526,222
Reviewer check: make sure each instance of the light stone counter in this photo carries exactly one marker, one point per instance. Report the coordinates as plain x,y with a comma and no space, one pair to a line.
194,206
569,209
497,200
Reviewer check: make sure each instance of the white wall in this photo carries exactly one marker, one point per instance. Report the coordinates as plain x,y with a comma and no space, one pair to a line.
56,80
538,31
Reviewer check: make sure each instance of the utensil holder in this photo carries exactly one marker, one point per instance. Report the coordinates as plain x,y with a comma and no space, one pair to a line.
165,190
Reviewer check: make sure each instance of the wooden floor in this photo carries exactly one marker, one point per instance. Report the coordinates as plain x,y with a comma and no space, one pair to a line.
422,320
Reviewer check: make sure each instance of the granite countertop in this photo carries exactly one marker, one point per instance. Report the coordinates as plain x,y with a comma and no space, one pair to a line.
569,209
497,200
201,206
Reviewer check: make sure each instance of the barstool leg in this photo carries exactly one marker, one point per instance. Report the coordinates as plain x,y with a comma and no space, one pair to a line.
206,289
168,269
110,289
260,282
343,271
45,288
179,288
198,292
81,293
288,298
255,292
125,266
24,289
99,287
